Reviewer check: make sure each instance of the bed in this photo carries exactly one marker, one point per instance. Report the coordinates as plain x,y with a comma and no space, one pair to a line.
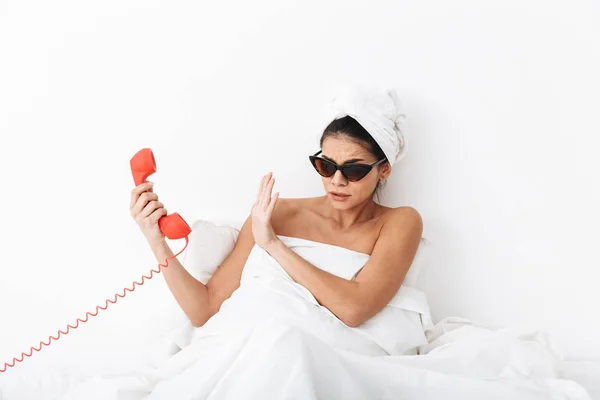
502,355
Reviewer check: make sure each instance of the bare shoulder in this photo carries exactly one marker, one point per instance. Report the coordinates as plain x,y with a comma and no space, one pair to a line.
287,207
283,210
288,210
283,207
402,221
403,212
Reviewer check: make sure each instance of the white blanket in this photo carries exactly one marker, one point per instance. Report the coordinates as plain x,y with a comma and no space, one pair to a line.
272,340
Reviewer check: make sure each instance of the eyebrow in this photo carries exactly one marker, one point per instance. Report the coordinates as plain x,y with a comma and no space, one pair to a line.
345,162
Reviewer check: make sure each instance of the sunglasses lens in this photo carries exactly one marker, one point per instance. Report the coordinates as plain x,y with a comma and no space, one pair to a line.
323,167
356,172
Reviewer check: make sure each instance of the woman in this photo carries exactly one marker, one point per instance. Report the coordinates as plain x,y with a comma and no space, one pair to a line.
352,167
376,243
310,302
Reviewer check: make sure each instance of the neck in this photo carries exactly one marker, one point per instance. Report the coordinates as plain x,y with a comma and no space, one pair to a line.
346,219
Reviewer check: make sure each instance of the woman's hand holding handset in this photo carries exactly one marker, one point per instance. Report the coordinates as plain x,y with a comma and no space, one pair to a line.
146,210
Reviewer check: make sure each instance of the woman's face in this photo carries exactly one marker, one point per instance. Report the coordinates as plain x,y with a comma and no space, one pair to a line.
341,151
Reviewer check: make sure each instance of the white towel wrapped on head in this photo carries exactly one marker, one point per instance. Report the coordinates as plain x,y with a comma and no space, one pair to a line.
377,110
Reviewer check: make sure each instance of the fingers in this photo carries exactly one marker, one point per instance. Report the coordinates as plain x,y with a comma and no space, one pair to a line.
261,187
156,214
142,201
137,191
150,207
266,193
272,204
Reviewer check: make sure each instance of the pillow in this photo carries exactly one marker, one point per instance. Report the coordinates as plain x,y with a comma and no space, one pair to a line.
209,244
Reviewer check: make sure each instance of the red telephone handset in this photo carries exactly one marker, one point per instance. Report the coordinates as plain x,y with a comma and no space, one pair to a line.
142,166
173,226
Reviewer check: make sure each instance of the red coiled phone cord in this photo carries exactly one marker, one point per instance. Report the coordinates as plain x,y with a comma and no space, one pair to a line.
117,295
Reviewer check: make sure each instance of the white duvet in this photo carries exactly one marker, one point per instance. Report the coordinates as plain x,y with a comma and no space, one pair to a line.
272,340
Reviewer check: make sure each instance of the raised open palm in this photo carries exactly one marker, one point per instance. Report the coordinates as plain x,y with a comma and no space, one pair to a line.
262,210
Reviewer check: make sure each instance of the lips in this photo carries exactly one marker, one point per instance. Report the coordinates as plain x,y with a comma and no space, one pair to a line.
340,194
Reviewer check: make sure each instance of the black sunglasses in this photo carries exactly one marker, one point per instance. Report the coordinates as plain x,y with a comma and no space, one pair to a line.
353,172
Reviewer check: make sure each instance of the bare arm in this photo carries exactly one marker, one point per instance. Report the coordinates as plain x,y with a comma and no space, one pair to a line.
190,293
353,302
198,301
227,277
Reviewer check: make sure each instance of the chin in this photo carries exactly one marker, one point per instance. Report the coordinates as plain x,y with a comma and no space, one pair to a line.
341,205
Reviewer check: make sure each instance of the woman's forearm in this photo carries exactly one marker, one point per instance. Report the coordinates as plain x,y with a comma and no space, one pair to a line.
339,295
190,293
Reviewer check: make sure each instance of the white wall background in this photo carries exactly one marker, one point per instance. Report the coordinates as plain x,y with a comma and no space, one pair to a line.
502,102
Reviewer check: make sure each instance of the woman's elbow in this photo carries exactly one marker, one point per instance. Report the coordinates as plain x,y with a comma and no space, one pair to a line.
197,323
354,316
207,312
200,319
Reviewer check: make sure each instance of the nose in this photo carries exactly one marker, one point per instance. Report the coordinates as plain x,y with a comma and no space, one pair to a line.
338,179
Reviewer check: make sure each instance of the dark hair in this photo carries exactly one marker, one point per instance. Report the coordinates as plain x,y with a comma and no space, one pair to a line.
349,128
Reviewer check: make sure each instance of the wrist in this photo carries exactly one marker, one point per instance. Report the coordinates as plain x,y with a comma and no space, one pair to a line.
273,246
156,243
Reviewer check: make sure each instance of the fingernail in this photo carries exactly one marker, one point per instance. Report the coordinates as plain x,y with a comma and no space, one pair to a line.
151,183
